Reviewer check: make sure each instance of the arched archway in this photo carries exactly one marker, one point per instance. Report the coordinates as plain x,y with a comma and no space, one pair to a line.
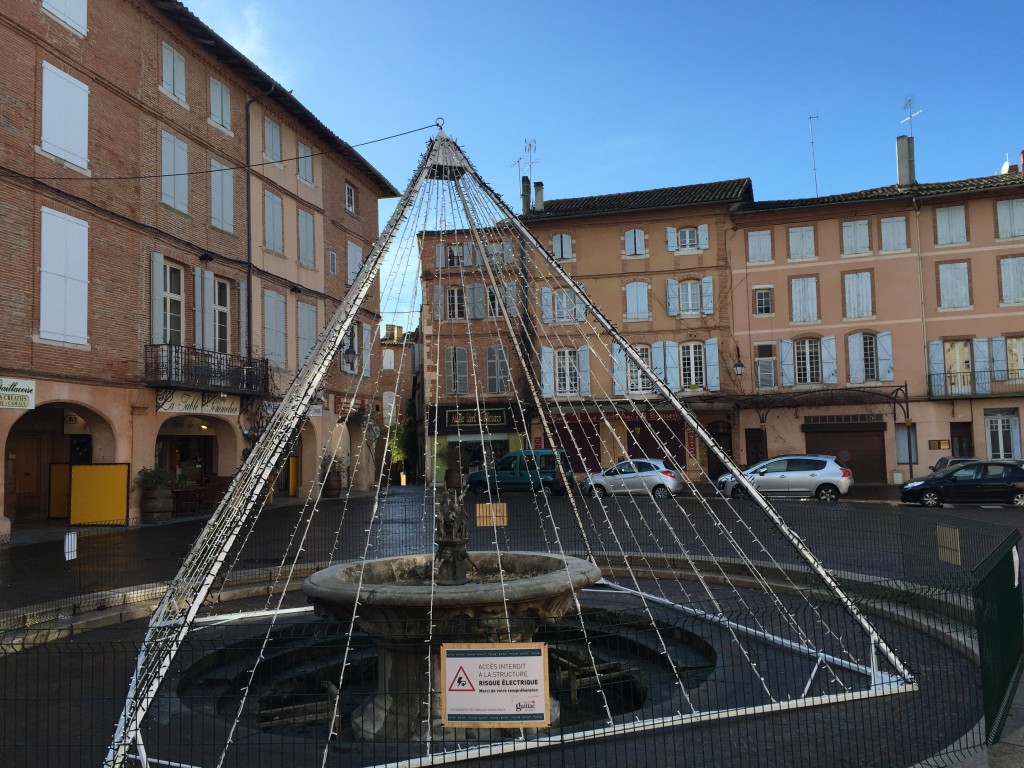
197,449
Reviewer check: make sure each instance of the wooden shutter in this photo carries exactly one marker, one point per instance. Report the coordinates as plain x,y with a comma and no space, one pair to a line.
936,368
707,295
702,237
355,262
63,277
547,308
618,369
583,365
829,367
712,379
671,239
884,349
65,116
982,369
672,297
855,357
243,319
547,372
672,366
787,371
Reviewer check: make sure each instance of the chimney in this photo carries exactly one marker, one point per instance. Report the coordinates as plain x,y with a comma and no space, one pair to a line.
905,174
525,193
538,196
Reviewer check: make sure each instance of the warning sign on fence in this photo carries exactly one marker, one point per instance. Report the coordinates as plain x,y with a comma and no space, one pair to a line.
495,685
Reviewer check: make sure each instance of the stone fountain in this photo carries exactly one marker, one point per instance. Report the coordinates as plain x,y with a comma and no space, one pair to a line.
410,605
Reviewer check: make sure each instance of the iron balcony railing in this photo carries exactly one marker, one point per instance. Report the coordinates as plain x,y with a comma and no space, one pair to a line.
998,383
186,367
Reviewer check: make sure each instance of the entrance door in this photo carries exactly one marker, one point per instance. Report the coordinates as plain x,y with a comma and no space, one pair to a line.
961,438
757,446
722,432
957,359
27,497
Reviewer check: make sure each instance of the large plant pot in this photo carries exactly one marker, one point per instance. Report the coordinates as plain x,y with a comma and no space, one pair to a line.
157,504
332,484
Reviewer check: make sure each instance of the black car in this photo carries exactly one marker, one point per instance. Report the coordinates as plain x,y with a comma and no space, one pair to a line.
995,482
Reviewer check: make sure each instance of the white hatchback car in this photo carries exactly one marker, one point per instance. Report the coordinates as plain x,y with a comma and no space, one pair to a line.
798,476
653,476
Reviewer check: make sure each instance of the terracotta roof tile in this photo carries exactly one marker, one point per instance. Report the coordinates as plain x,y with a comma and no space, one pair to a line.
734,191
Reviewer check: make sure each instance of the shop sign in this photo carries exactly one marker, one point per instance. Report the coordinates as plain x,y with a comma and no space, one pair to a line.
17,393
184,401
485,417
495,685
74,424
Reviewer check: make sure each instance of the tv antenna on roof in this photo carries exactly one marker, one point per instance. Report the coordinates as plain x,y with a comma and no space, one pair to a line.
911,114
814,163
531,147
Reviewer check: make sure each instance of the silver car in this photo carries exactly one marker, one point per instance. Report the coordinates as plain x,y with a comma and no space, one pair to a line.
797,476
653,476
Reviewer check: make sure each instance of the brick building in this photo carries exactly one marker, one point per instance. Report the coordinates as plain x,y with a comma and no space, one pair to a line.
158,294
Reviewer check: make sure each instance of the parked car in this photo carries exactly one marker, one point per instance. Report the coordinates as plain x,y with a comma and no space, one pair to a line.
527,470
951,461
994,482
797,476
654,476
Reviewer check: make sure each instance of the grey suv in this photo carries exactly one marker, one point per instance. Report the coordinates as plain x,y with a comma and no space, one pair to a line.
798,476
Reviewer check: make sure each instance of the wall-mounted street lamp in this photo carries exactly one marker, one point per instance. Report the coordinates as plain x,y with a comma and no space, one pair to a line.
350,357
738,367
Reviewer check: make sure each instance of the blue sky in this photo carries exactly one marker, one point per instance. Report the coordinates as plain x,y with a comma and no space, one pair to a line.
626,96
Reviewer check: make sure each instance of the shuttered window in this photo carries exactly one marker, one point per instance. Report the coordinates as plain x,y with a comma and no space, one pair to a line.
173,72
71,12
174,171
271,140
222,196
274,328
759,246
801,243
894,233
65,117
954,287
1011,277
950,225
306,330
306,246
220,104
273,223
63,278
804,299
636,301
857,295
305,160
1011,218
855,237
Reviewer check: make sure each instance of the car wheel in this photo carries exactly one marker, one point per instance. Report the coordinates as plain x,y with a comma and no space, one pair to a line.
546,490
827,493
1017,499
478,488
660,492
599,491
930,499
738,492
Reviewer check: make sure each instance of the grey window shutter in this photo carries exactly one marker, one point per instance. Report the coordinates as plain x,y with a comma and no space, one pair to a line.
712,381
884,348
547,372
581,308
658,359
672,366
243,319
707,295
936,368
438,302
855,357
618,369
547,310
492,369
209,288
511,300
367,348
583,363
449,371
1000,364
439,260
982,372
672,297
787,371
702,237
829,369
156,298
197,307
506,247
478,301
462,365
671,239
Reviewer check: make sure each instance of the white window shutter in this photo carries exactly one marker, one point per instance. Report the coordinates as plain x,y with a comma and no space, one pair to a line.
618,369
707,295
354,263
936,368
672,366
243,319
547,372
702,236
885,358
712,379
156,298
787,370
583,365
671,239
197,307
658,359
167,168
208,295
367,349
829,367
181,174
855,357
179,76
438,302
672,297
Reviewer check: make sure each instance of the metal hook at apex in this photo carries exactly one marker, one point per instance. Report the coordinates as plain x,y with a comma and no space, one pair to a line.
439,122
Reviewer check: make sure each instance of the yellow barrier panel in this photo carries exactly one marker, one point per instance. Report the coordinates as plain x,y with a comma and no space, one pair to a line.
60,490
949,544
491,515
99,494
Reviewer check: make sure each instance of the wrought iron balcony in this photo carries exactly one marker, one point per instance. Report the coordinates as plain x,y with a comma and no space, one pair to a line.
999,383
189,368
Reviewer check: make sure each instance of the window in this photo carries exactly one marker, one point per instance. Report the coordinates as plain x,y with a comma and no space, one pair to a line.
221,316
220,104
388,359
493,303
954,286
869,357
455,255
855,237
763,301
173,83
567,372
894,233
764,361
306,331
561,247
389,407
354,258
689,297
870,352
565,305
65,117
1015,358
173,300
271,140
498,253
759,246
332,262
801,243
804,299
1011,218
807,357
273,328
456,304
64,278
687,238
456,368
222,196
634,243
350,198
1011,280
691,364
497,369
636,301
305,157
950,225
857,295
174,171
1002,433
636,381
71,12
273,237
306,249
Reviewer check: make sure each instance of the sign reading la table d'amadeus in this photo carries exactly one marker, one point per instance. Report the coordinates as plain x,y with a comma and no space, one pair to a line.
495,685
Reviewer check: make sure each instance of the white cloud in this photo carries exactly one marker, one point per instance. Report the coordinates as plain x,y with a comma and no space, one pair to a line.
244,26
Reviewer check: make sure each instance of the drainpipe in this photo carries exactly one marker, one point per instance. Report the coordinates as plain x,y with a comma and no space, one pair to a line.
248,220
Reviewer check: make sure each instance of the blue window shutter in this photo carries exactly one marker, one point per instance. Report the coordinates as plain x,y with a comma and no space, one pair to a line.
936,368
672,297
511,299
547,310
982,373
786,365
707,295
885,366
438,302
581,308
1015,435
672,365
658,359
439,260
712,381
702,237
583,362
156,298
618,370
547,372
829,368
999,362
855,357
671,239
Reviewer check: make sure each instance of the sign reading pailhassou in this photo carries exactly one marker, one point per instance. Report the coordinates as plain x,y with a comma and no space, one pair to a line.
495,685
17,393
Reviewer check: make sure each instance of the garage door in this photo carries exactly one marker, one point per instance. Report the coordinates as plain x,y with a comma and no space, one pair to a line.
862,452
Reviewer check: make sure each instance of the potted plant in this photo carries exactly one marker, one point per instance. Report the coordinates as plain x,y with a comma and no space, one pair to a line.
157,501
332,477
